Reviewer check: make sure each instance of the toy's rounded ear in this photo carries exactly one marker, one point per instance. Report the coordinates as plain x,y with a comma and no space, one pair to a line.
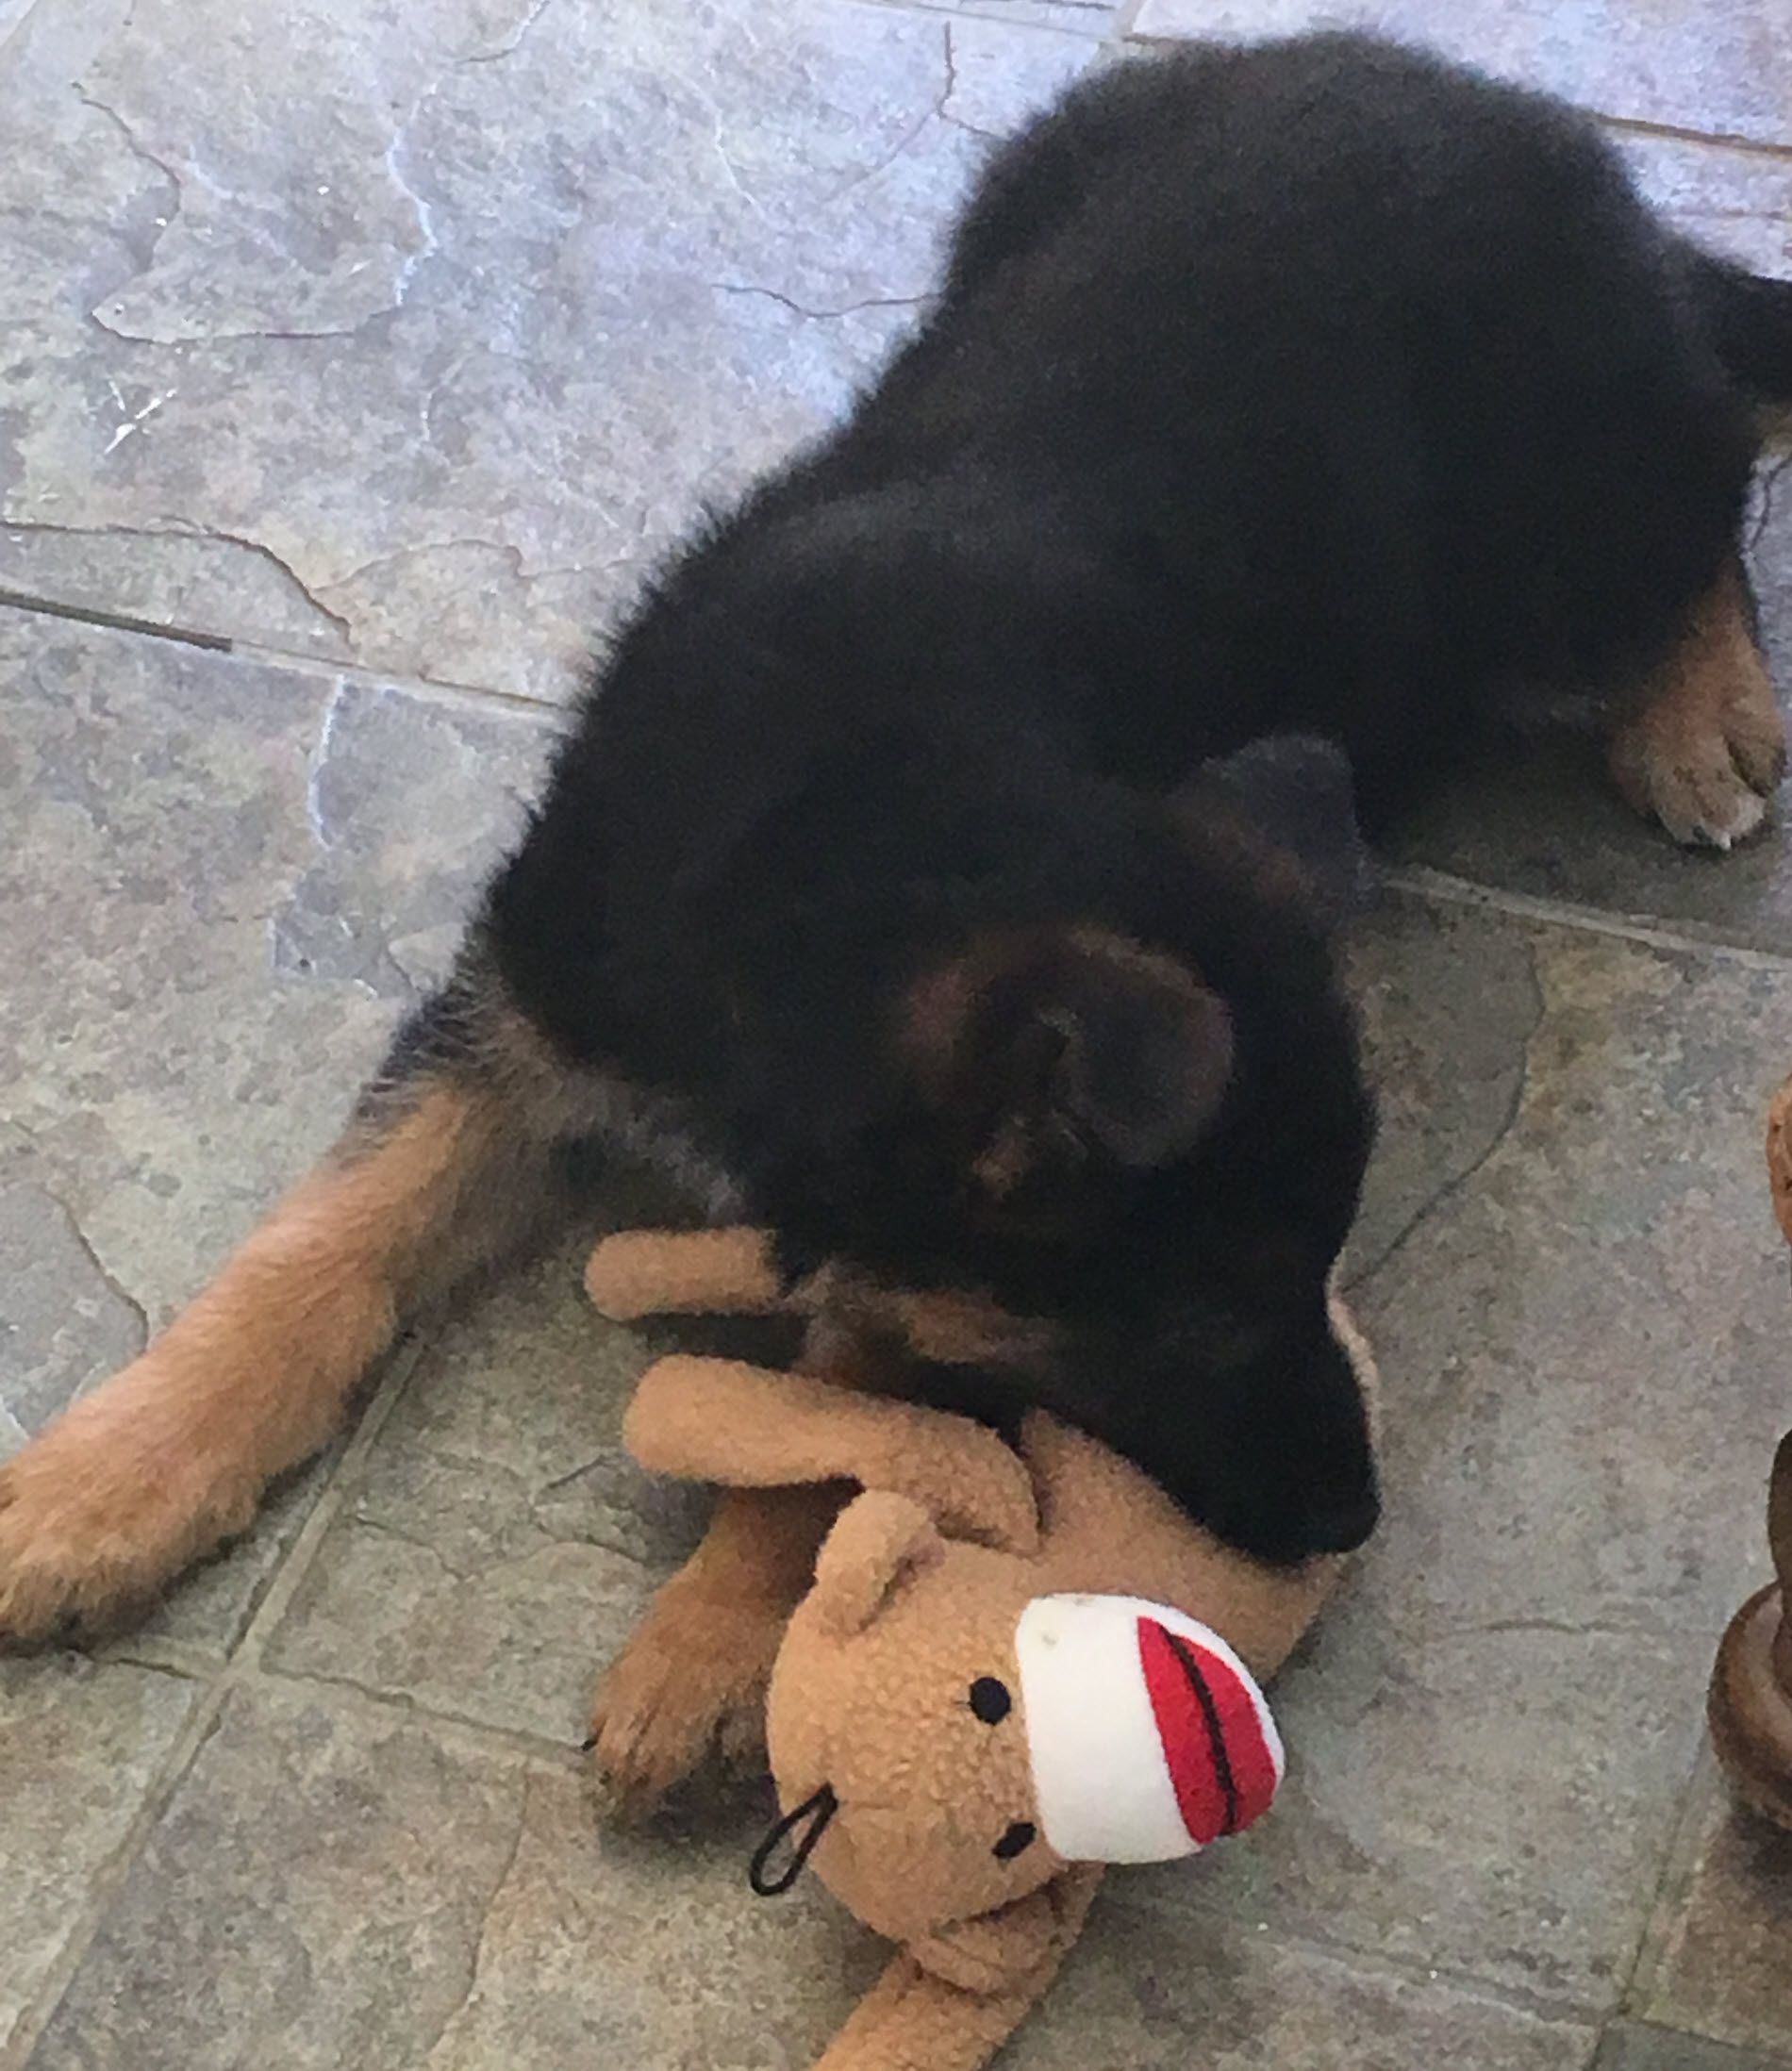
881,1542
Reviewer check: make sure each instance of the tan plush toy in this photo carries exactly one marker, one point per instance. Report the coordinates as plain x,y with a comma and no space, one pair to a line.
1011,1667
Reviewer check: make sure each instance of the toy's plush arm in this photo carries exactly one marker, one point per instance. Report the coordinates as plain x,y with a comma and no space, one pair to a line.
914,2019
638,1273
752,1427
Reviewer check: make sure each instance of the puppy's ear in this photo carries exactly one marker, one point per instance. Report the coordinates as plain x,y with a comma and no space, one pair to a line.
1118,1048
881,1542
1066,1049
1297,791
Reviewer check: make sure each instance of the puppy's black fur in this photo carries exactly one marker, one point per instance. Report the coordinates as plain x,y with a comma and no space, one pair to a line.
1314,388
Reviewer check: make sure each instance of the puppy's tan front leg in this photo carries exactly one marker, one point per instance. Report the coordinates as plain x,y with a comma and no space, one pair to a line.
1704,749
692,1678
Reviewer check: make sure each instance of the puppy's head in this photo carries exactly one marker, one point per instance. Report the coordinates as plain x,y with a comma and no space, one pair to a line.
1153,1134
1108,1077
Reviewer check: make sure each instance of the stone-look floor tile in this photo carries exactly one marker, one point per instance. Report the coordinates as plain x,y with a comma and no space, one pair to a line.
427,357
80,1745
1582,1345
500,1544
1724,1969
343,1885
411,800
1493,1804
1585,1338
1629,2046
1445,1077
1735,202
189,832
1699,64
1157,1993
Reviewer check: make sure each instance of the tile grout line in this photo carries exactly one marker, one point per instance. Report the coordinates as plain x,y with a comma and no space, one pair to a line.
1674,1872
1718,140
245,647
289,1575
1418,880
238,1670
511,1741
1746,2056
1442,889
480,697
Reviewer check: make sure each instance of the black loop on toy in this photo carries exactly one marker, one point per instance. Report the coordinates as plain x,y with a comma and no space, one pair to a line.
820,1809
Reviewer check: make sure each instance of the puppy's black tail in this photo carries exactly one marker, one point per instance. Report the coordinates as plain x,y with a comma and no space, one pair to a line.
1751,324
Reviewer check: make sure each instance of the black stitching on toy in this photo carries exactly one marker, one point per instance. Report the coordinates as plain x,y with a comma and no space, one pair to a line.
1210,1711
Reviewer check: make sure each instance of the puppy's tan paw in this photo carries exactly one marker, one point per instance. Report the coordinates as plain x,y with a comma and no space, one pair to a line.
97,1514
1705,759
689,1686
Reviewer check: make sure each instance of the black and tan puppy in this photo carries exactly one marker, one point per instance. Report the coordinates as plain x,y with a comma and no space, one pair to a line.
1314,390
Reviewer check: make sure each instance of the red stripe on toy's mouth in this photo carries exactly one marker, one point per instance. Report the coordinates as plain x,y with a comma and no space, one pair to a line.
1222,1767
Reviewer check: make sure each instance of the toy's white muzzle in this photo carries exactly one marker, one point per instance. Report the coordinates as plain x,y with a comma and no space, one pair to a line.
1149,1736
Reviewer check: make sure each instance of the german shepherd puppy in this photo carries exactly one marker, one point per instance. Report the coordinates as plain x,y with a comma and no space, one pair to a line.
929,872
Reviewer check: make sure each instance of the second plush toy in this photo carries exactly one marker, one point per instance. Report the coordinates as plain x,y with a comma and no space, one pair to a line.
1012,1668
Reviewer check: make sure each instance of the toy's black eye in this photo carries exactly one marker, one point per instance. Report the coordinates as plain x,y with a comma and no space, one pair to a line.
1019,1837
990,1700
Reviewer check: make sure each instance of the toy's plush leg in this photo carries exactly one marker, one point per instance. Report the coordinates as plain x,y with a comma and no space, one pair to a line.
692,1676
640,1273
913,2020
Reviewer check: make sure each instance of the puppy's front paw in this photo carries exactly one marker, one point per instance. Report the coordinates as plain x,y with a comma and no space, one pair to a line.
1706,766
691,1685
103,1509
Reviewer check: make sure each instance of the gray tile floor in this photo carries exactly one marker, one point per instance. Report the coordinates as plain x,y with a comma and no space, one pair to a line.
381,349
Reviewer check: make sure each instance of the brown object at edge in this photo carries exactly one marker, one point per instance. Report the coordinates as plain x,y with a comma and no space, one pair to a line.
1750,1704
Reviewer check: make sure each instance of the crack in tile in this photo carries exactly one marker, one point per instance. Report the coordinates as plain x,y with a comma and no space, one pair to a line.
575,1474
181,528
406,266
944,109
475,1960
142,153
177,180
514,555
1563,1628
1448,1188
904,141
108,1279
189,529
507,50
823,316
